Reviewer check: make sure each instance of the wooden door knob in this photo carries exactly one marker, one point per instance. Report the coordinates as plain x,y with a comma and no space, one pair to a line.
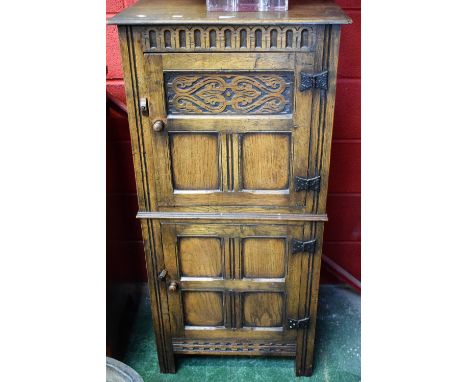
173,286
158,125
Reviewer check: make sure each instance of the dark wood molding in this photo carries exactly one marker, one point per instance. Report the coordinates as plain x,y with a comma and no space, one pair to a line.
231,216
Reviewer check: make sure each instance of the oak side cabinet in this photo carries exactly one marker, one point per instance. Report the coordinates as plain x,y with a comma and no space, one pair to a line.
231,121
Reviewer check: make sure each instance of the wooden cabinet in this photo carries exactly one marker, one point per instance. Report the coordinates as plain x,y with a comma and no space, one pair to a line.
231,120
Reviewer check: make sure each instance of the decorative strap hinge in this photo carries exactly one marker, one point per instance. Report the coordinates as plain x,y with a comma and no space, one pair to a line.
307,184
314,80
298,324
303,246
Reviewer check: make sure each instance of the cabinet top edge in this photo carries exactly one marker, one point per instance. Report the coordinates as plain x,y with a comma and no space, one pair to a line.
231,216
163,12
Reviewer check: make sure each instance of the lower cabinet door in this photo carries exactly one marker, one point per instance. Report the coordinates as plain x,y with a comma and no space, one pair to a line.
231,288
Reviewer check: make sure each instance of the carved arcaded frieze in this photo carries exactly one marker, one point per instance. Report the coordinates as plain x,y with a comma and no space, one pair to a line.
229,38
233,93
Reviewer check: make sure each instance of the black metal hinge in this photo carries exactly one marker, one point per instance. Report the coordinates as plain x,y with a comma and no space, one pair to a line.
303,246
306,184
314,80
298,324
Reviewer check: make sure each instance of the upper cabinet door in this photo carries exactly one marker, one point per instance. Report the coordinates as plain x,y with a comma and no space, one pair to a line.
229,129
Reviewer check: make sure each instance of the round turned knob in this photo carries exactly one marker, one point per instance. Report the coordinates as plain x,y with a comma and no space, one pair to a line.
158,125
173,286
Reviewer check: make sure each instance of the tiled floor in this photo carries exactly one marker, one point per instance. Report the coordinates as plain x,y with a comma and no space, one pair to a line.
337,354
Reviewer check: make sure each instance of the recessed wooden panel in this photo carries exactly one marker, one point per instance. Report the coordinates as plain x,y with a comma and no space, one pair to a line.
200,256
195,163
265,161
264,257
203,308
263,309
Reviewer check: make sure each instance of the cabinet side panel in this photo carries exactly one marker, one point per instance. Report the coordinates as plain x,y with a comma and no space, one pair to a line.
324,109
140,133
153,264
151,230
310,270
126,48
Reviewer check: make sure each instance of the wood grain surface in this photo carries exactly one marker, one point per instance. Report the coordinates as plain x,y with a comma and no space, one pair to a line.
264,257
195,12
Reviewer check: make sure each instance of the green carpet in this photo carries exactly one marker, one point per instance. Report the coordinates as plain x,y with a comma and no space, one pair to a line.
337,352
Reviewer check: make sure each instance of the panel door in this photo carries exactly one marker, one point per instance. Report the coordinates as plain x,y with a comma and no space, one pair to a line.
236,128
232,281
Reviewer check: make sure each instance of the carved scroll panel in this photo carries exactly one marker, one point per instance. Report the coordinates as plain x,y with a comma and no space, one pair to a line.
233,93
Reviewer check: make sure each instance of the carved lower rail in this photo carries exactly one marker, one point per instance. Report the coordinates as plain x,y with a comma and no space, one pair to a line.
284,349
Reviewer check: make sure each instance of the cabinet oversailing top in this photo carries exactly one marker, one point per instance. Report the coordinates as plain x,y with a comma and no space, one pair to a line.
165,12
